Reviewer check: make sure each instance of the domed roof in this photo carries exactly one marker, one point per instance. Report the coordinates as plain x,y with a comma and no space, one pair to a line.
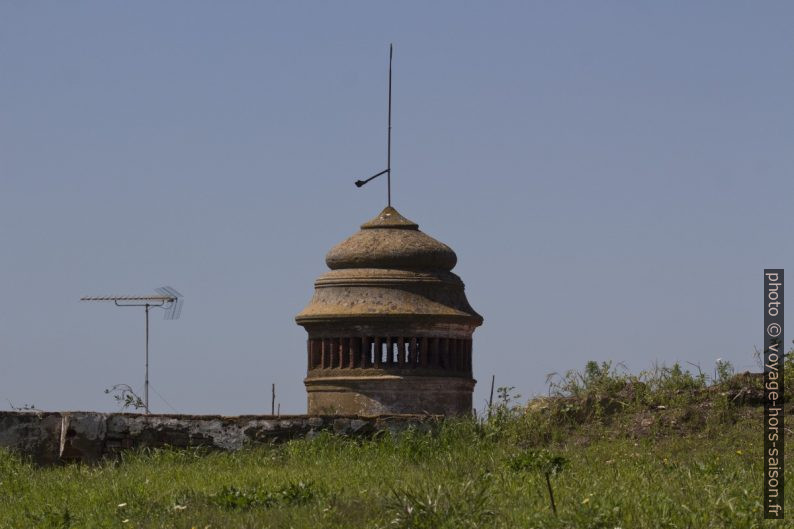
394,242
389,272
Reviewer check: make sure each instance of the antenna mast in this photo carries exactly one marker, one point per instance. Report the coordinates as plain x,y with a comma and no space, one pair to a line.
167,298
387,171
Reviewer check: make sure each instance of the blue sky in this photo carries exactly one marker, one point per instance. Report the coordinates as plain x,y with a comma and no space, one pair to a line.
613,176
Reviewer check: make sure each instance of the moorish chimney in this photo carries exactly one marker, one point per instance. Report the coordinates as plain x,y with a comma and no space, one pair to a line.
390,328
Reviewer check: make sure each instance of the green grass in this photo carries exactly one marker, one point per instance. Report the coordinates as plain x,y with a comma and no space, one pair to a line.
696,463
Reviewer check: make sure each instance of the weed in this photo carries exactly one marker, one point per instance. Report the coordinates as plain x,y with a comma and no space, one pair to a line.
788,375
53,518
230,498
233,498
450,506
126,397
723,371
544,463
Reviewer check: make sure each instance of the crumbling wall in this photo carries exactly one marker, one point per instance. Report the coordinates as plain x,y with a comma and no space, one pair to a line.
53,437
34,434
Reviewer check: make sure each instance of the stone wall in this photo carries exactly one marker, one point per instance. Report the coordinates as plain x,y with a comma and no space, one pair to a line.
54,437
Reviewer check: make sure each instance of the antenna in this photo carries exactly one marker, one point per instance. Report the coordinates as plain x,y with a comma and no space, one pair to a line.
168,299
386,171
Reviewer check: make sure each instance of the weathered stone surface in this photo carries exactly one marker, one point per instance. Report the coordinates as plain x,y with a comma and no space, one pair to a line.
82,436
390,394
341,425
35,434
88,437
357,426
404,248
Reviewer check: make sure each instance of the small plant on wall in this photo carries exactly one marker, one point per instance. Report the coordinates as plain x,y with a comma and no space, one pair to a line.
126,397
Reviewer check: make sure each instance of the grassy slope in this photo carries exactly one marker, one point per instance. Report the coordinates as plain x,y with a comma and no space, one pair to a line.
696,463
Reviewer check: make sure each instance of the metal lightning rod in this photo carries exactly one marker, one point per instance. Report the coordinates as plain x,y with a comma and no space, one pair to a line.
386,171
388,137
